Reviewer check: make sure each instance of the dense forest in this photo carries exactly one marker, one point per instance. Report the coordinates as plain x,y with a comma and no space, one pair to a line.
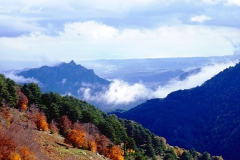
206,117
25,107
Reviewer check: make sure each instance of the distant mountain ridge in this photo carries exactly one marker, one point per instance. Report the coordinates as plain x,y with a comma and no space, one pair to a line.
206,117
65,78
187,74
152,71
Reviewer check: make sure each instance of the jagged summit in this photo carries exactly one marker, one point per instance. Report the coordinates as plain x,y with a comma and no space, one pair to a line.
72,62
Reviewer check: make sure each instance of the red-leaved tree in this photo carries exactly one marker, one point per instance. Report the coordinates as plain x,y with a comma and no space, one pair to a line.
7,145
38,118
65,124
53,127
22,101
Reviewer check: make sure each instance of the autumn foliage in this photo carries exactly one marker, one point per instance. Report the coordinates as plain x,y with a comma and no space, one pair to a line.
102,144
53,127
42,122
14,156
7,145
92,146
22,101
6,115
88,137
20,140
65,124
115,153
77,138
13,138
10,150
16,139
38,118
27,154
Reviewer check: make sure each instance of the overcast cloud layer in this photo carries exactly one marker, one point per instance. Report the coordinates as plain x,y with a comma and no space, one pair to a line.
66,30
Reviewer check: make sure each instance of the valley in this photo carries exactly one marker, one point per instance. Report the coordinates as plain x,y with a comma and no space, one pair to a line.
181,116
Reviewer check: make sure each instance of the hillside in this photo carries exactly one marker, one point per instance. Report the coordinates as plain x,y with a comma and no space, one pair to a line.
24,110
65,78
22,138
206,117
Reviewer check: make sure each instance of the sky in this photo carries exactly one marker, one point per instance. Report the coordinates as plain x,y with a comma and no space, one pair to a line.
112,29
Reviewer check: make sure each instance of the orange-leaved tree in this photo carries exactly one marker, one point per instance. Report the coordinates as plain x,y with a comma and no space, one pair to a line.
27,154
14,156
77,136
115,153
92,145
42,122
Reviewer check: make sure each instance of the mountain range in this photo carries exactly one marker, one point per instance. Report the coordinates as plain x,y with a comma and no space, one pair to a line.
83,83
205,117
151,71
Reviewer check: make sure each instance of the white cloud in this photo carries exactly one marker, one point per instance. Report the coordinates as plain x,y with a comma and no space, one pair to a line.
121,13
213,2
64,81
67,94
117,5
206,73
87,84
119,92
118,29
200,19
233,2
92,40
122,93
91,30
20,79
73,8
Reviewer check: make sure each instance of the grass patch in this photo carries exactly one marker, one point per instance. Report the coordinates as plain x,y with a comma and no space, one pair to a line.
72,152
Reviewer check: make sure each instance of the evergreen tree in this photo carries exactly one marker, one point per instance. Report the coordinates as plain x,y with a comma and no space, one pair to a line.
170,154
186,156
8,91
205,156
33,92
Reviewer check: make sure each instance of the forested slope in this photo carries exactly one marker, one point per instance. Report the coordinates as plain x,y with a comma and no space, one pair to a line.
206,117
83,126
